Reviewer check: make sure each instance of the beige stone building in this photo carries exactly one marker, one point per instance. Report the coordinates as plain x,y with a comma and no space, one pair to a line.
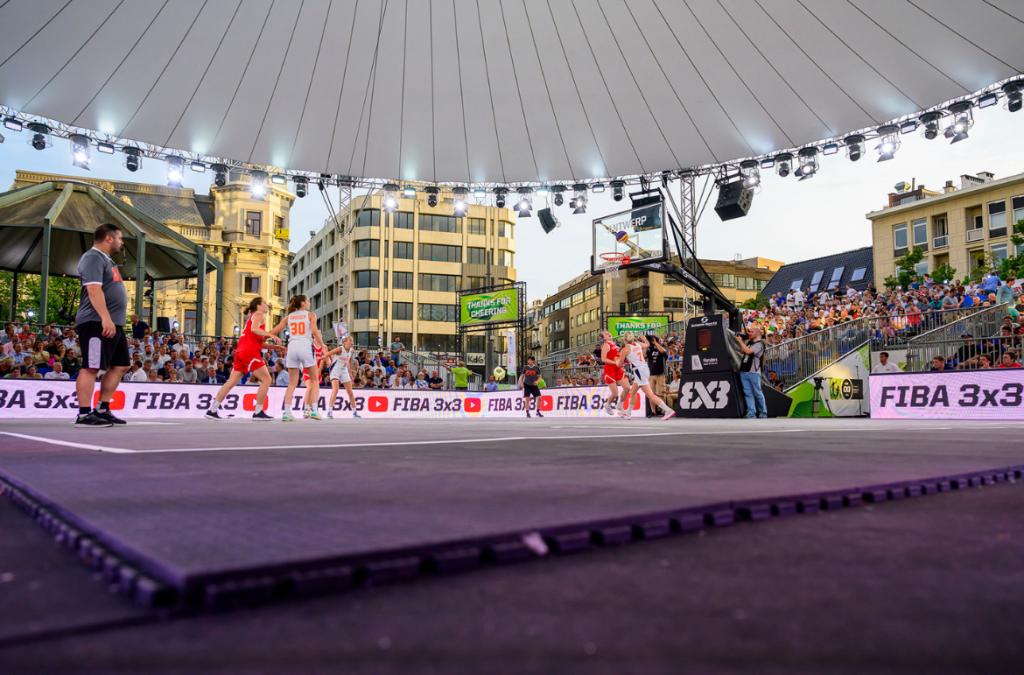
248,235
959,225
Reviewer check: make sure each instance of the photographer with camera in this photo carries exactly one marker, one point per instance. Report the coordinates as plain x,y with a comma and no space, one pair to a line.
750,371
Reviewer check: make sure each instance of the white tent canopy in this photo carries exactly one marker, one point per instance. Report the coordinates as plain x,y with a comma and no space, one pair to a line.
496,91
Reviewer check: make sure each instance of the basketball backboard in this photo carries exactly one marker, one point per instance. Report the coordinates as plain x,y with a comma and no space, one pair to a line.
637,234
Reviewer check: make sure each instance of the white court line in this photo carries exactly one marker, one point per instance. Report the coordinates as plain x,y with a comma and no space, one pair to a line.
69,444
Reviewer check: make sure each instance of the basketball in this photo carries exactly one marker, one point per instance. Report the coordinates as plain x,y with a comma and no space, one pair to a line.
621,236
499,373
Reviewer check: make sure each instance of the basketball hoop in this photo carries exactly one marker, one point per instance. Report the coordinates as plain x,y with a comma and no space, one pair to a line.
613,261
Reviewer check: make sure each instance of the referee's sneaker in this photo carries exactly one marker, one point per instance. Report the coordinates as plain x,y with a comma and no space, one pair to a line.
100,325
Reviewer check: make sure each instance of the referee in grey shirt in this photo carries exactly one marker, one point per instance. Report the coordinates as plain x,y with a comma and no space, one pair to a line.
100,327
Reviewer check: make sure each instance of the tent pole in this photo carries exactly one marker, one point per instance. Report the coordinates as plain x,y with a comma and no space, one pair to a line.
44,271
140,275
13,308
219,299
201,292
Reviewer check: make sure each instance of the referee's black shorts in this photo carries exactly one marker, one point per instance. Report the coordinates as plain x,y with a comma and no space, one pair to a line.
102,353
531,390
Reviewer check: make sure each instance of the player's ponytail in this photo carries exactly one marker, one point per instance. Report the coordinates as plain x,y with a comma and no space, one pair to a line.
627,337
253,306
295,304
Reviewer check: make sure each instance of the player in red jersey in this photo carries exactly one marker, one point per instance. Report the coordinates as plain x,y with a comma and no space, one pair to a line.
249,359
614,375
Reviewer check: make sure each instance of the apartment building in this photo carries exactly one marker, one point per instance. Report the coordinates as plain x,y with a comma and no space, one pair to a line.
403,269
959,225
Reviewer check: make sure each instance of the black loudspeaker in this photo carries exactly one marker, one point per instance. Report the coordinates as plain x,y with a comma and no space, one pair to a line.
547,220
163,324
733,200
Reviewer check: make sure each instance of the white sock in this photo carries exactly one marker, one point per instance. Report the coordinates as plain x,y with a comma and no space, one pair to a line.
215,405
664,406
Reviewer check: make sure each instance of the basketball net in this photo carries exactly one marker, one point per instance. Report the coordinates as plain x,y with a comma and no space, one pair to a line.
612,270
614,261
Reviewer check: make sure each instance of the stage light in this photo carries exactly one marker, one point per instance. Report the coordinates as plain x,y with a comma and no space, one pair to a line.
175,325
198,167
80,154
279,179
931,124
105,148
432,196
220,174
132,159
767,162
808,163
390,200
888,142
751,173
409,192
40,138
479,195
237,330
579,202
908,127
543,191
854,146
301,184
258,183
618,190
988,100
1013,95
175,170
598,188
830,149
558,190
783,164
499,197
459,201
30,314
12,123
524,202
963,121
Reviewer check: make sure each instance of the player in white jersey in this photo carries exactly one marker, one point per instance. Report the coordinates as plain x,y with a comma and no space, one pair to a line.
303,336
633,351
341,374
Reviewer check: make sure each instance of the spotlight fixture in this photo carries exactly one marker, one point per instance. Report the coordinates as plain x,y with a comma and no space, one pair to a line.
40,138
558,190
524,202
988,100
175,170
808,163
459,197
1013,95
12,123
198,167
220,174
175,325
962,122
301,184
830,149
132,159
479,195
543,191
783,164
258,183
105,148
279,179
390,198
751,173
888,142
854,147
767,162
80,154
908,127
579,202
499,197
931,124
409,192
432,193
618,190
598,188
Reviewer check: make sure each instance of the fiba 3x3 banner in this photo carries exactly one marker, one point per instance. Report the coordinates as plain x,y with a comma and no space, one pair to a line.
23,399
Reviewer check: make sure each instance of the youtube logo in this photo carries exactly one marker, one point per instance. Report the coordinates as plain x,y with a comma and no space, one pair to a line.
546,403
472,405
636,403
249,402
116,401
377,404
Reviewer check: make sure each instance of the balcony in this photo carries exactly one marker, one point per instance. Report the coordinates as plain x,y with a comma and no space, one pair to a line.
977,234
941,242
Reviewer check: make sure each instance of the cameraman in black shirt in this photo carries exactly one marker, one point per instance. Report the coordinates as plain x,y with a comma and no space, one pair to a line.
656,362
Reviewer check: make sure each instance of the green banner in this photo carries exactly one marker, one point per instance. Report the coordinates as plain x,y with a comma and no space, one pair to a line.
490,307
617,325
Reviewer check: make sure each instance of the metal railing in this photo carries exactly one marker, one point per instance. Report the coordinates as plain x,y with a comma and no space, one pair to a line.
978,321
898,330
967,353
982,325
796,360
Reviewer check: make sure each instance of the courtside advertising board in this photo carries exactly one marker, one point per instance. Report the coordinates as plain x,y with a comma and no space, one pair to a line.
496,307
645,325
952,395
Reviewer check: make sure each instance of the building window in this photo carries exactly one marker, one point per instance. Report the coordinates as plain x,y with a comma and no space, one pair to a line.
999,254
319,249
190,322
251,285
316,301
858,274
295,270
365,339
278,288
440,253
476,225
402,220
316,275
330,265
837,275
444,283
302,264
745,283
366,309
439,223
505,258
367,279
796,285
899,234
403,250
439,343
921,233
676,303
252,222
278,223
301,286
724,280
1018,209
476,256
367,248
997,218
401,311
330,293
428,312
476,282
330,238
504,229
401,280
921,268
369,218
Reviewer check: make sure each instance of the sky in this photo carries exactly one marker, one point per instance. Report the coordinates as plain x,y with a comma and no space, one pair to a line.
789,220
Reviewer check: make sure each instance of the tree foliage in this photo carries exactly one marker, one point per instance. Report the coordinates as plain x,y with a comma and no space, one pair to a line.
904,270
1013,266
756,302
944,273
61,298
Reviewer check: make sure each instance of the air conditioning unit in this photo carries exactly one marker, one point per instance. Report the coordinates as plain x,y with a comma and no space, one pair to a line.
975,235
